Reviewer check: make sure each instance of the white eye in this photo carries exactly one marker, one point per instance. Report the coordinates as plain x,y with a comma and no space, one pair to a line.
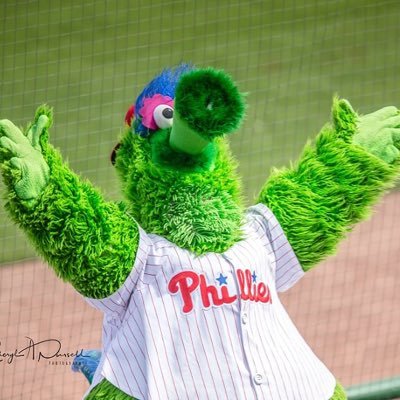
163,116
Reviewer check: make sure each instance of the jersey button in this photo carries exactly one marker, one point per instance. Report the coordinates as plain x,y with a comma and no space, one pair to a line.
245,318
258,378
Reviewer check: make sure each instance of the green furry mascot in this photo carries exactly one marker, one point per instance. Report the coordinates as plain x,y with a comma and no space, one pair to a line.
187,278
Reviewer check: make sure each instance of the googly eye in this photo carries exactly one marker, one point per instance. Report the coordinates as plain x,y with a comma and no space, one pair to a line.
163,116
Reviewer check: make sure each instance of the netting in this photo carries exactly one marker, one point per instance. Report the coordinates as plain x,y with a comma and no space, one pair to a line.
89,60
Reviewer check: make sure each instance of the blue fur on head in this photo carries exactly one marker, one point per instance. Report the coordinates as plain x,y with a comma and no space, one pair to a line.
165,84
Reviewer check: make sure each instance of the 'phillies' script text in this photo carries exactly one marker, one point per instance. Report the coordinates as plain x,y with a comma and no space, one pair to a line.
188,282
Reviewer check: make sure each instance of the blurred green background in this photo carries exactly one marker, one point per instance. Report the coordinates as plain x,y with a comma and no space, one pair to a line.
90,59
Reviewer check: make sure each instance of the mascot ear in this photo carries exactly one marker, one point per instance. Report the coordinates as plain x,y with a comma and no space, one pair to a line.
114,153
129,115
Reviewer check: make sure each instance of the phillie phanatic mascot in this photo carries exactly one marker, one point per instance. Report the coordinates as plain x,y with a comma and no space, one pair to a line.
186,276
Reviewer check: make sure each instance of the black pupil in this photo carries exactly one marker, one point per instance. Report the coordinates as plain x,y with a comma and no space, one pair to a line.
168,112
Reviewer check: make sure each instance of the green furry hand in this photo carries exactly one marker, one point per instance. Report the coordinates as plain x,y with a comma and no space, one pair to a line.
379,133
21,158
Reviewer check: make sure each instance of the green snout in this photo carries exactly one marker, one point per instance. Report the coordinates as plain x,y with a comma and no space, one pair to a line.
207,105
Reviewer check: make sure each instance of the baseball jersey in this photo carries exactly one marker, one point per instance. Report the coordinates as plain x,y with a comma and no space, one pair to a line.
212,326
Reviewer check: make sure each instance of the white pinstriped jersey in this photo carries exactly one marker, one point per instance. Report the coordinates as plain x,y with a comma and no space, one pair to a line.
211,326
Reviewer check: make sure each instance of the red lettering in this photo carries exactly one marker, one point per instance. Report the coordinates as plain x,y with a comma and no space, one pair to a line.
180,282
186,282
211,290
225,296
207,291
263,293
241,278
252,291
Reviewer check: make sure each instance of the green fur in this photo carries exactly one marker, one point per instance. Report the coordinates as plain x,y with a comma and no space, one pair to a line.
107,391
209,102
331,188
344,119
339,393
163,155
197,209
88,242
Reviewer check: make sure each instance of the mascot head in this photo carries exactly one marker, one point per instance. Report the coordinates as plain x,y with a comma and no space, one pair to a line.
174,160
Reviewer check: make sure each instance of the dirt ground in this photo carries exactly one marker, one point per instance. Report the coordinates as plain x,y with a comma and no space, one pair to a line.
347,309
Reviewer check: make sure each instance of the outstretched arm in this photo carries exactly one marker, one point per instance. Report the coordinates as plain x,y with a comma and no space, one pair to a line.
335,182
89,242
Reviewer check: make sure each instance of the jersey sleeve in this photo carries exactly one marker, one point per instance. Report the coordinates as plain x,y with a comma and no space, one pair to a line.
286,265
116,304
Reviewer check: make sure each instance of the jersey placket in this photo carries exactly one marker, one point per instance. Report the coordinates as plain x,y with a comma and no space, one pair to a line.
255,368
